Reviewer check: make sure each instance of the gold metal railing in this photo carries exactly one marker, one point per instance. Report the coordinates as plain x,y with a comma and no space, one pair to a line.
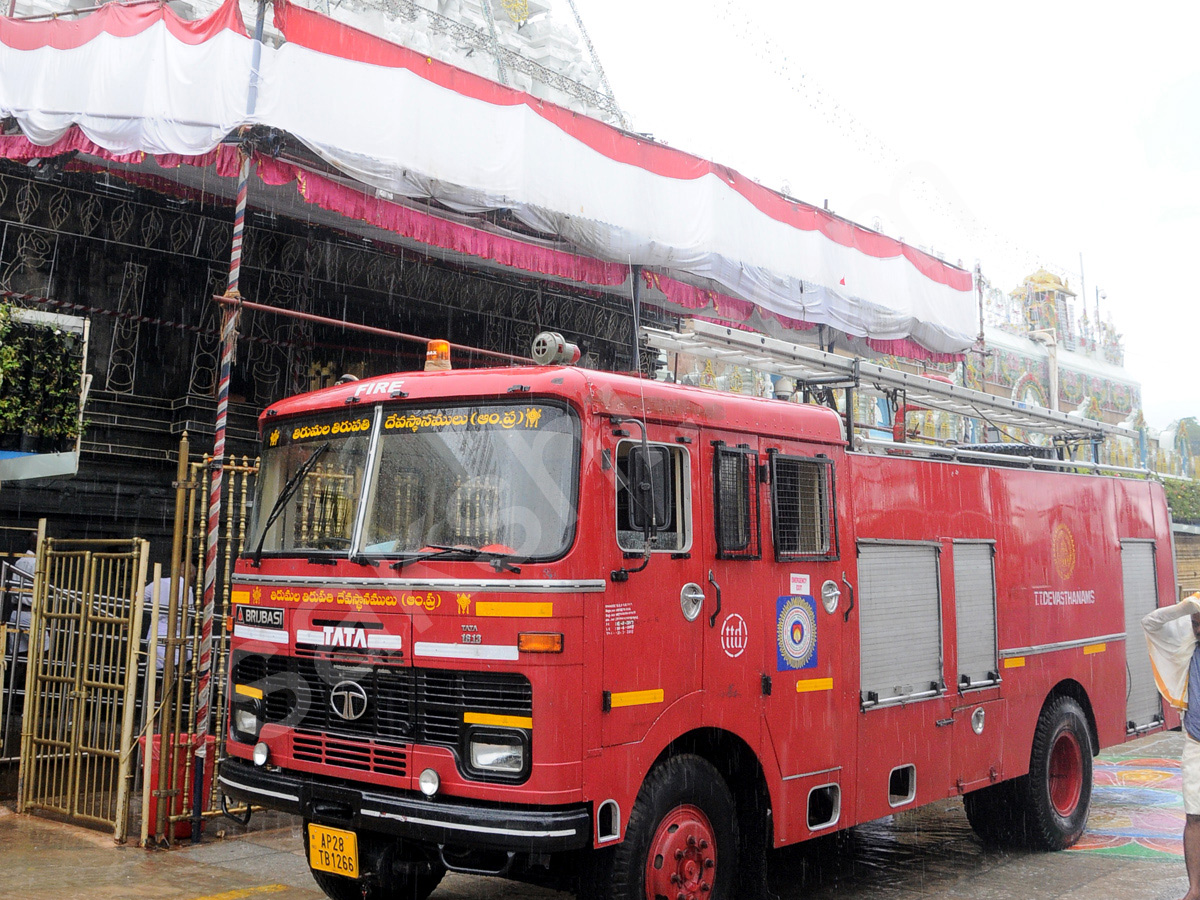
173,724
78,716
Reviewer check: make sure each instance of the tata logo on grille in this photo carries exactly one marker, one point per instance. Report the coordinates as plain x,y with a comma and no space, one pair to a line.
348,700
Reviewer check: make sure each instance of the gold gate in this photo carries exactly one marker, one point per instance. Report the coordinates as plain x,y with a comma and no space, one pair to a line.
77,737
174,709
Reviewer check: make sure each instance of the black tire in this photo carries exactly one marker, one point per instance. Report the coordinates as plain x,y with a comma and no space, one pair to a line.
416,882
683,824
993,813
1055,796
388,876
336,887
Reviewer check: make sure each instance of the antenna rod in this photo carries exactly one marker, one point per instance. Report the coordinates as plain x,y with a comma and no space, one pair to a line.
636,273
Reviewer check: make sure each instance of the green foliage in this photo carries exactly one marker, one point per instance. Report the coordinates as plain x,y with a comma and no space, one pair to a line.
40,370
1184,499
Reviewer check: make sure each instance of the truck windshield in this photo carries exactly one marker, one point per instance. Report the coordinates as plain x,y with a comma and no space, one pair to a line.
498,478
309,483
458,480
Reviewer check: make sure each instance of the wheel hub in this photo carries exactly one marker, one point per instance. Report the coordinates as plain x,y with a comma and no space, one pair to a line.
1066,773
682,863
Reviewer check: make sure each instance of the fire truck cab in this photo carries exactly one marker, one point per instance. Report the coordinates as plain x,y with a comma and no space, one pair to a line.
620,635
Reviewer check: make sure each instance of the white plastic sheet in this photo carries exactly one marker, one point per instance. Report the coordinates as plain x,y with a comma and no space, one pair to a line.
394,130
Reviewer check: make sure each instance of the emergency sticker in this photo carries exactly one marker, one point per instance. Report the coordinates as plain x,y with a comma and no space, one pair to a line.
796,632
735,634
799,585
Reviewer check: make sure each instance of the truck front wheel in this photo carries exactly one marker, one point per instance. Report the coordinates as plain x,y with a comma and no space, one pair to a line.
682,837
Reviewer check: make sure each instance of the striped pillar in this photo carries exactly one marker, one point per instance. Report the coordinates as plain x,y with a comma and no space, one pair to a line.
229,323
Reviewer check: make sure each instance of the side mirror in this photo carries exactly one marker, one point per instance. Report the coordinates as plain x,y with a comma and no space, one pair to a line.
649,487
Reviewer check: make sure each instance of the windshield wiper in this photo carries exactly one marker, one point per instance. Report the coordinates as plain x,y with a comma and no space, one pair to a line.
423,555
497,559
286,494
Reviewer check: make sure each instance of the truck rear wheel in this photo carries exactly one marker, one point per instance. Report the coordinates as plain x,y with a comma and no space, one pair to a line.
391,874
1057,791
682,837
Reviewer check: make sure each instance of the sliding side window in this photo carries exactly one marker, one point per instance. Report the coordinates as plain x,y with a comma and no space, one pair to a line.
735,502
803,522
653,497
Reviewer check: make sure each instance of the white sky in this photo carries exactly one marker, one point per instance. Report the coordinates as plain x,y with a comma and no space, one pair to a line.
1019,135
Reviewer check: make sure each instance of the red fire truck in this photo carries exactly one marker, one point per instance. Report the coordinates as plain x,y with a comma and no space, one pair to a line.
560,624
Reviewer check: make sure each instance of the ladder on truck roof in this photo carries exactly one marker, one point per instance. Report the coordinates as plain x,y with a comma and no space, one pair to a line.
818,372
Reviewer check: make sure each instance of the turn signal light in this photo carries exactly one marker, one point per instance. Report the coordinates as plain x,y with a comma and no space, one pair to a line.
535,642
437,356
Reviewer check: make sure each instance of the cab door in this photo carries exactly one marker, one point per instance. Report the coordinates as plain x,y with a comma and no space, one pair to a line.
739,588
653,665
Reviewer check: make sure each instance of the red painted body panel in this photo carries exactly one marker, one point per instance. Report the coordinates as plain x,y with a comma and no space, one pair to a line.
1057,577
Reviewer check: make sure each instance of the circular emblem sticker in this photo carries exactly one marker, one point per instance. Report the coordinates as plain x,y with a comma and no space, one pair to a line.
796,633
735,634
1063,545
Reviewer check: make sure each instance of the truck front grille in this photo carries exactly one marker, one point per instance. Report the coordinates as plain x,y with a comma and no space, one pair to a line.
403,705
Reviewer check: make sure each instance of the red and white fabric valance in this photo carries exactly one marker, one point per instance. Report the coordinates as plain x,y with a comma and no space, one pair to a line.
141,80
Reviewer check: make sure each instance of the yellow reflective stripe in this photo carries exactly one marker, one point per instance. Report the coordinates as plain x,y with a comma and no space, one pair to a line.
1015,662
239,596
473,718
514,610
246,691
637,698
814,684
1094,648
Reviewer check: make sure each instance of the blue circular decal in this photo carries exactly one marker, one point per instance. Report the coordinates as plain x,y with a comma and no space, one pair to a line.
796,633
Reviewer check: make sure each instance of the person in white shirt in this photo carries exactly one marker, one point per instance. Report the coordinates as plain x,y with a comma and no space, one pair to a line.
1173,636
165,598
20,587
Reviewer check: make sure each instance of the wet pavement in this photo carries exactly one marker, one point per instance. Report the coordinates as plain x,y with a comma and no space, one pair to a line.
1131,849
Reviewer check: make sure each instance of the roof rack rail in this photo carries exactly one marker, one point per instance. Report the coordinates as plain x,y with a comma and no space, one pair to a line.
1009,460
819,371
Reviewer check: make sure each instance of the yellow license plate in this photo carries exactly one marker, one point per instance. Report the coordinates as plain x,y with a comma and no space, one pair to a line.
333,850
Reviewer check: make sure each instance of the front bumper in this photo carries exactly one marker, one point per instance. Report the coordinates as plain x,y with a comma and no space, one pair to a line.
443,821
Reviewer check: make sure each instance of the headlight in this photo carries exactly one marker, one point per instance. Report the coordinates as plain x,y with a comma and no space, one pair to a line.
248,707
498,753
429,782
245,723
